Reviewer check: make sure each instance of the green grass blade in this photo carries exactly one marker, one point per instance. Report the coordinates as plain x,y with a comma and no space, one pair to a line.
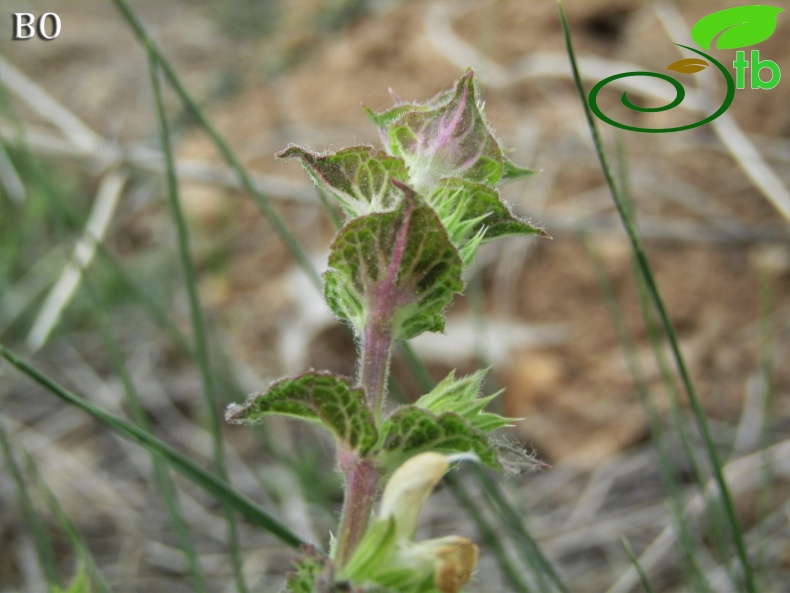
73,534
41,541
198,322
712,504
658,303
515,524
185,466
279,226
164,483
635,560
688,555
766,494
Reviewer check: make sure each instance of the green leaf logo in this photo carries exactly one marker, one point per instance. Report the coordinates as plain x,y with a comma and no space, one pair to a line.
740,26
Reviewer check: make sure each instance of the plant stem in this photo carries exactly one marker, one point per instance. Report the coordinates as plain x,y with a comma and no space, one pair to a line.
360,473
373,374
374,364
361,481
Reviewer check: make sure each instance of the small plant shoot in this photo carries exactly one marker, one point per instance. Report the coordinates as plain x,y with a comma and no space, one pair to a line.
416,214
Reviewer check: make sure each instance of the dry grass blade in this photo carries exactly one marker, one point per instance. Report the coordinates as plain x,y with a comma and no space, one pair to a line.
743,474
438,26
47,106
646,271
218,488
9,178
106,152
66,286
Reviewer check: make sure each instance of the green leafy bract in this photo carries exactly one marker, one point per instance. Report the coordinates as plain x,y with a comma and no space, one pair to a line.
446,137
376,562
359,176
460,396
512,172
468,210
398,267
307,570
320,397
736,27
375,550
412,430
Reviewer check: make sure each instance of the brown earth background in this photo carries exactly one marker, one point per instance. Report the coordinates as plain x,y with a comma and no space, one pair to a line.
272,73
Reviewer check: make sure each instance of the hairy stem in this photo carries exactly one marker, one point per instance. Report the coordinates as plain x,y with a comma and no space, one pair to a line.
360,474
374,366
361,481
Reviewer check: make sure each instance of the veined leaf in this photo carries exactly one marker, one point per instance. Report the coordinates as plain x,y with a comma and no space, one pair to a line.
324,398
399,267
411,430
512,172
736,27
460,396
446,137
358,176
385,118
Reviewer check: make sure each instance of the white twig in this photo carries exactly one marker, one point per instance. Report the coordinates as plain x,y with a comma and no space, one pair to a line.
106,153
541,64
741,475
555,65
753,164
45,105
63,291
9,178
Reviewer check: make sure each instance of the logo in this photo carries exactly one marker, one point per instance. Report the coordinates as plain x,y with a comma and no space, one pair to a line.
24,26
731,28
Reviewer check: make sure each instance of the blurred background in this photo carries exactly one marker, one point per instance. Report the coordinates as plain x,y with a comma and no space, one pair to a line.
80,157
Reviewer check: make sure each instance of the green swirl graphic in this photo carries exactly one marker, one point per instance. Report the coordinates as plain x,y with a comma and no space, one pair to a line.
680,94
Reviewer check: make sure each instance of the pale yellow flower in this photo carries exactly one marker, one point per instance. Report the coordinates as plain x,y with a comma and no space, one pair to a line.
451,558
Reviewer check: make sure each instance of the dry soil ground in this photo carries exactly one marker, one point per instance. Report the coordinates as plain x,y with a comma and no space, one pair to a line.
268,74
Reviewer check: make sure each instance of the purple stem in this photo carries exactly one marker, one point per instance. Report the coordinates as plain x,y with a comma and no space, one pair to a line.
377,336
375,363
360,473
361,482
